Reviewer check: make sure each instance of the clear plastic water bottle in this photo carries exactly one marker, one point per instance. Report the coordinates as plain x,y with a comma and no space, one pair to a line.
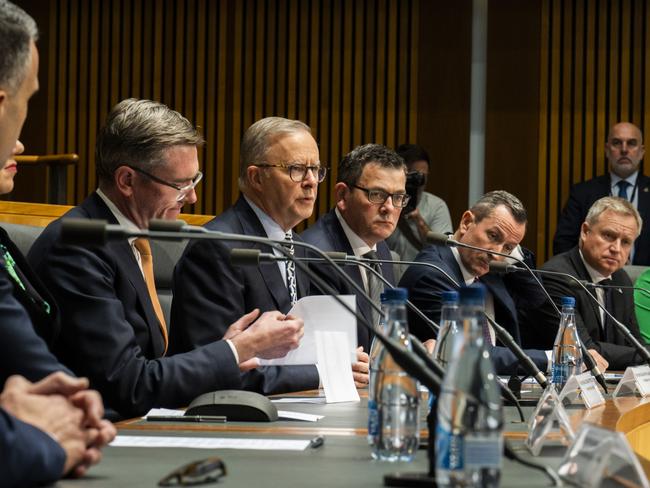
375,349
397,393
567,350
450,334
469,434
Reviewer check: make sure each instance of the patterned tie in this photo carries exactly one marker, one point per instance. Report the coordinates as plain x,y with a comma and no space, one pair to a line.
291,270
375,285
622,188
143,247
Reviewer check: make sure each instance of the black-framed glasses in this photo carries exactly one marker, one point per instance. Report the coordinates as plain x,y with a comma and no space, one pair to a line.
379,197
206,470
182,190
298,172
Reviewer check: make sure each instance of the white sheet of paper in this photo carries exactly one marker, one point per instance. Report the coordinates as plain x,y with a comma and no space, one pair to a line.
307,417
210,443
319,312
334,367
300,400
165,412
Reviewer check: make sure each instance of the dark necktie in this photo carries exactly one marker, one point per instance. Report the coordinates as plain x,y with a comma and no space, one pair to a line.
143,247
291,270
607,326
622,188
375,285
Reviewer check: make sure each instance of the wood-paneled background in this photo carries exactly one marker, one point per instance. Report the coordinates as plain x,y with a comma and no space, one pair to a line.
347,69
594,72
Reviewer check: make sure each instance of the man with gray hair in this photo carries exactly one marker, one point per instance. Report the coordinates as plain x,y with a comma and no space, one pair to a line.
606,238
497,222
279,173
370,194
114,330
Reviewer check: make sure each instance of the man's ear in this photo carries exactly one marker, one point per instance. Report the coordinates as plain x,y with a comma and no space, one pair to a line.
3,102
465,221
123,180
341,190
584,230
254,177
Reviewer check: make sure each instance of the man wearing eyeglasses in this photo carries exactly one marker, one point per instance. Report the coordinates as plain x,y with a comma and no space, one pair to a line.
370,194
279,173
113,329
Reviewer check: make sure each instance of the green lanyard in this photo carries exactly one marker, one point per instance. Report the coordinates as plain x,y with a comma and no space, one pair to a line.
10,265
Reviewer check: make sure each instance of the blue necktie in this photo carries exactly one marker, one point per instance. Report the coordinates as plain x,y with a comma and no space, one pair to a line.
622,188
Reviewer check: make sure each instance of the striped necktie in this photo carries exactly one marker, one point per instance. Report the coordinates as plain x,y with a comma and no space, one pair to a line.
291,270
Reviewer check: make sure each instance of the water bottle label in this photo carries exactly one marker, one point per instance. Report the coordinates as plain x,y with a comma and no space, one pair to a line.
373,419
483,452
560,373
449,449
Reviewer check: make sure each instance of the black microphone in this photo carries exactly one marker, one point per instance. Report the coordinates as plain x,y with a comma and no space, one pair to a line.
618,288
403,357
642,351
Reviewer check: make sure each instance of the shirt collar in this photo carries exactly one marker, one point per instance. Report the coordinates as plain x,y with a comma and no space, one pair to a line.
122,219
467,276
271,227
359,246
630,179
595,276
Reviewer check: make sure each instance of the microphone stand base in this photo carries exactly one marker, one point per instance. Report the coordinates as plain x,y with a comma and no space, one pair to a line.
409,479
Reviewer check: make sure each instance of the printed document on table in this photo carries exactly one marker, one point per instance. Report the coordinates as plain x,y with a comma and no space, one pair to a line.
320,313
210,443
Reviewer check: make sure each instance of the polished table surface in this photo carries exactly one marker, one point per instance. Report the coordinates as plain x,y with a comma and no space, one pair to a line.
343,460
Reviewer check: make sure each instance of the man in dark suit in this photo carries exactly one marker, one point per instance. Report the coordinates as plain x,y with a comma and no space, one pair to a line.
606,238
53,427
279,172
370,194
624,150
497,221
113,329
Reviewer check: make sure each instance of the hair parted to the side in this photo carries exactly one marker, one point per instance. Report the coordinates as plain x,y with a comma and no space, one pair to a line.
485,205
614,204
351,166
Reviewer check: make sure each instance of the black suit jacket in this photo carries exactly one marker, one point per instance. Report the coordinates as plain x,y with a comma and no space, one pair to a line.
611,345
582,197
328,235
510,292
110,332
210,294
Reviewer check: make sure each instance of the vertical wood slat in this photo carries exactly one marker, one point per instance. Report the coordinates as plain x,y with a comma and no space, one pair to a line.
608,77
347,69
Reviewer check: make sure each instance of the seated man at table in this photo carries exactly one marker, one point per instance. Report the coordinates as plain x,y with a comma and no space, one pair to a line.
370,194
113,329
496,222
606,237
279,173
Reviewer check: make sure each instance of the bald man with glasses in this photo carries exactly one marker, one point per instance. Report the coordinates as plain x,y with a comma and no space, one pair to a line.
370,194
279,173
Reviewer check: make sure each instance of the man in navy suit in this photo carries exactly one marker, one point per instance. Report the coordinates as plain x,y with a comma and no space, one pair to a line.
53,427
113,329
497,221
624,150
370,194
279,173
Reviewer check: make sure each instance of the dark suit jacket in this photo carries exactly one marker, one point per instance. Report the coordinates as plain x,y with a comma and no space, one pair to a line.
110,332
611,345
46,325
210,294
328,235
510,292
30,457
582,197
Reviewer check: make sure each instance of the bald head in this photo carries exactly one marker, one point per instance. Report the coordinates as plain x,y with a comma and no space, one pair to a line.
624,149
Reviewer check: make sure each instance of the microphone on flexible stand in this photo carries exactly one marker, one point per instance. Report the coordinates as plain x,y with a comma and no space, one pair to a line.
618,288
642,351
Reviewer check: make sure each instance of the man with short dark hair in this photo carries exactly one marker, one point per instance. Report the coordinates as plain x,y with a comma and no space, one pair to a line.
606,238
113,329
370,194
497,222
624,150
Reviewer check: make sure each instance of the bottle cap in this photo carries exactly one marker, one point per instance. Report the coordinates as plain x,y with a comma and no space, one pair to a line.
473,292
568,302
449,297
382,297
396,294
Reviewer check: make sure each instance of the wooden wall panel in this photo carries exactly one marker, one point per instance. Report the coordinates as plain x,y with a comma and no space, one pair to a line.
346,68
594,72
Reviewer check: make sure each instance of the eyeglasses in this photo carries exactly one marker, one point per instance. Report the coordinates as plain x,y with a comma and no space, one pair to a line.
379,197
298,172
182,190
199,472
